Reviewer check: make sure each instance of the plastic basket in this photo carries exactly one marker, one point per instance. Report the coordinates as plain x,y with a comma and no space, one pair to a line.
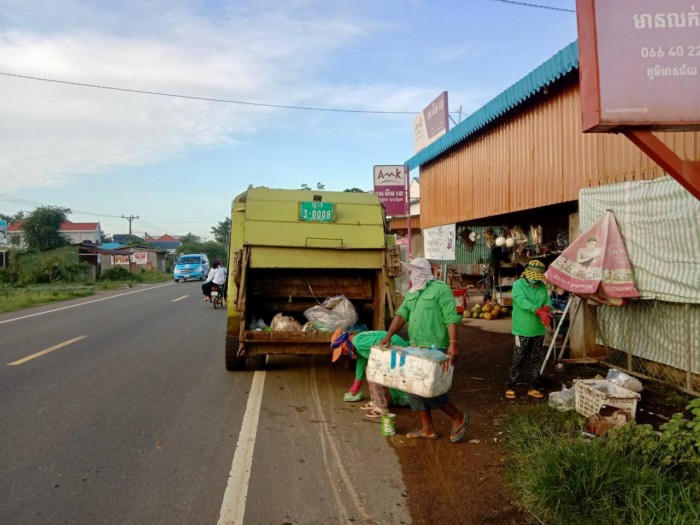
591,394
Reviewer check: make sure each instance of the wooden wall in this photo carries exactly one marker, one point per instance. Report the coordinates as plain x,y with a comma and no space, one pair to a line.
535,158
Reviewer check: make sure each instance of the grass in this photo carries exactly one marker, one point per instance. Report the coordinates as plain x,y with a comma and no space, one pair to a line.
13,298
559,477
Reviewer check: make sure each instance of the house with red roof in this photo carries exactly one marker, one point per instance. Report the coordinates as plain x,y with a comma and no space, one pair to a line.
76,232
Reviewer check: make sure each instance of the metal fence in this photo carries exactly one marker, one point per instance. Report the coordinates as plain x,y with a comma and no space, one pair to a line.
654,340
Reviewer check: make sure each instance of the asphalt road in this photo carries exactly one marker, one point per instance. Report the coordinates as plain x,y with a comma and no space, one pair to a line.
131,417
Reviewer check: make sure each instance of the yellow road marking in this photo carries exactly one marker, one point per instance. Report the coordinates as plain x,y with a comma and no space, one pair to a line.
43,352
179,299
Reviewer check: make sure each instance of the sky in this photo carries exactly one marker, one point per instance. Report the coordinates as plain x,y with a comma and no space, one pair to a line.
177,162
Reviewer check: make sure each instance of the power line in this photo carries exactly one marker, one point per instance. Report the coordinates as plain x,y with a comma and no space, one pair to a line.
34,204
539,6
208,99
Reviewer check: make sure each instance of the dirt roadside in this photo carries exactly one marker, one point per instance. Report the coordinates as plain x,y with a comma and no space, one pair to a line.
464,483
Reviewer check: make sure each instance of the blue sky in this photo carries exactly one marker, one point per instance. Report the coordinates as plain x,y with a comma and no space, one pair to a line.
177,163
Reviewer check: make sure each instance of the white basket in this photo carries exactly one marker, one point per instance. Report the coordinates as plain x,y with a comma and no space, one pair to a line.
591,394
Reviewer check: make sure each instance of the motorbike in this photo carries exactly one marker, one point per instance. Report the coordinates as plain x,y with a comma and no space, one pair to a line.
217,295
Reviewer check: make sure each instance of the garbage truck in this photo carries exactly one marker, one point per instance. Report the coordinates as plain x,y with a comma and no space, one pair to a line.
290,250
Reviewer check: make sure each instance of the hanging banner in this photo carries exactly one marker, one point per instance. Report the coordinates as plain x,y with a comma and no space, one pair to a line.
121,259
390,187
595,263
439,242
140,258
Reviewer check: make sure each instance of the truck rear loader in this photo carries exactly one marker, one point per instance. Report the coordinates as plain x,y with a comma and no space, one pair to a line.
290,250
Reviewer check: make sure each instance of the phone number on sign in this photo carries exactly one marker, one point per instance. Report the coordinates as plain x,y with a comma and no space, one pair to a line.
672,51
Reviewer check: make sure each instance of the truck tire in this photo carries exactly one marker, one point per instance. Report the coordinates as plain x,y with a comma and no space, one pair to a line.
256,362
233,362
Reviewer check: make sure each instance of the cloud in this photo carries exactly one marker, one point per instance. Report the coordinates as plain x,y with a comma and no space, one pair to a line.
449,54
53,133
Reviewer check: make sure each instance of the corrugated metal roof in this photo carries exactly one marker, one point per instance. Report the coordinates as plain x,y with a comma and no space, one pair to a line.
556,67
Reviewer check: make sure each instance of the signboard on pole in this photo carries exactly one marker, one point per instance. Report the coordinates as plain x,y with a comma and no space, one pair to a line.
439,242
3,233
390,187
639,64
432,123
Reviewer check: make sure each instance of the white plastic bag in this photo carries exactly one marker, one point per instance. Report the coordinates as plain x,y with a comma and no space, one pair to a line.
336,313
624,380
284,323
564,400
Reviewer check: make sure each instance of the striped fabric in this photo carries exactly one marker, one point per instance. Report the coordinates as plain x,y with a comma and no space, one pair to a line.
660,224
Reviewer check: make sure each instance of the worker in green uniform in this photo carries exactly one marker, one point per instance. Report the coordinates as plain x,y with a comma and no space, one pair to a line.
531,318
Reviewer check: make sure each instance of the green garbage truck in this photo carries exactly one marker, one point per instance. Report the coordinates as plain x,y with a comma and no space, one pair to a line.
292,249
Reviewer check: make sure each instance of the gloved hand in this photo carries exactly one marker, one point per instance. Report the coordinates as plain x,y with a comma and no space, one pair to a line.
355,387
544,315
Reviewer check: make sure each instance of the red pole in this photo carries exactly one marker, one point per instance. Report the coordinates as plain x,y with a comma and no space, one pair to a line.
407,173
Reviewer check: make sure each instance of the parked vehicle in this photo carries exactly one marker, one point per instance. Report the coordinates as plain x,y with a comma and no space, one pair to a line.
290,250
191,266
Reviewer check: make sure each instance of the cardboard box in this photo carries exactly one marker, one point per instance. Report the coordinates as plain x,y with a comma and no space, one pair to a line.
415,370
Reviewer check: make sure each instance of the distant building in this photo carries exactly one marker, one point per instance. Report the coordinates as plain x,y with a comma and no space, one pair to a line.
165,242
76,232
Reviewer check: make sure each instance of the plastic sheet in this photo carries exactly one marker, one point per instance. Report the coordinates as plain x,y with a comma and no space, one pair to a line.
564,400
284,323
616,377
335,313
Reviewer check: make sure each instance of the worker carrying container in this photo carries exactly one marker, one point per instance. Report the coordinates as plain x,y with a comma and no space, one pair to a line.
293,250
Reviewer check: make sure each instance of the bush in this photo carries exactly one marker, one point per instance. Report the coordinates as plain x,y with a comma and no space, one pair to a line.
635,476
118,273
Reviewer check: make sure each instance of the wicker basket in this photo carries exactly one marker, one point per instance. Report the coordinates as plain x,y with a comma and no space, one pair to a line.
591,394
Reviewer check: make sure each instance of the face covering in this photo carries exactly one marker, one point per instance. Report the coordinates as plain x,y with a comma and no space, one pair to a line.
420,278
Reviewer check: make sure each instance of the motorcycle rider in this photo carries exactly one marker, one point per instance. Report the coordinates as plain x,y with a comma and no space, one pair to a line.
217,275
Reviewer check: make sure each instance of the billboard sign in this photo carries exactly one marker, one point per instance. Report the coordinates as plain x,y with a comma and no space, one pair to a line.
439,242
120,259
432,123
390,187
639,64
140,257
3,233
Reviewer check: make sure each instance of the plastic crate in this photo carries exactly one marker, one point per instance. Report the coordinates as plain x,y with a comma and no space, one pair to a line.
591,394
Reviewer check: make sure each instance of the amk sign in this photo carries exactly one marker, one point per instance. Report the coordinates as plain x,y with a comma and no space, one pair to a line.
390,187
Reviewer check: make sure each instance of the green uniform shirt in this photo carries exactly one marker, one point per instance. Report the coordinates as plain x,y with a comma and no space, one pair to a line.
527,299
363,343
428,313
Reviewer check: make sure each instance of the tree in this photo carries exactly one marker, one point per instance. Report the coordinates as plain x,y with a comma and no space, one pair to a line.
12,219
214,250
221,231
104,238
189,239
41,228
319,186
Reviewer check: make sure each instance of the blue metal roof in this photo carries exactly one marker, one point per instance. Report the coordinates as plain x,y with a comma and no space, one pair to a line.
556,67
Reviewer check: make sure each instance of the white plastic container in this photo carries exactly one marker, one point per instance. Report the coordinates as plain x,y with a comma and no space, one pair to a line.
415,370
591,394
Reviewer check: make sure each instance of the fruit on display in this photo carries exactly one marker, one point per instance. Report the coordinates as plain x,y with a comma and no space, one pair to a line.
489,311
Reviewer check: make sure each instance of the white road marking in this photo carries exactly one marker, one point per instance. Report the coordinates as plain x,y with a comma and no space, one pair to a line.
82,304
233,505
43,352
179,298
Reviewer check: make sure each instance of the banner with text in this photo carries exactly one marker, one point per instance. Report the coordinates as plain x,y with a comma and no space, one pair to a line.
439,242
431,123
390,187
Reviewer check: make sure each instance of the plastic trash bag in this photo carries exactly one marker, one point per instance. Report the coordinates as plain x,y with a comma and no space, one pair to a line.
564,400
335,313
257,324
285,323
616,377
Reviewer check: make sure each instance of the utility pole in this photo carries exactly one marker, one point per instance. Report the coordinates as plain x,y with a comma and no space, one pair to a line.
130,218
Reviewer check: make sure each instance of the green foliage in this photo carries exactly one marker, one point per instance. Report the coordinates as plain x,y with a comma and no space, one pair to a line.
635,476
190,238
117,273
11,219
319,186
222,231
41,228
17,298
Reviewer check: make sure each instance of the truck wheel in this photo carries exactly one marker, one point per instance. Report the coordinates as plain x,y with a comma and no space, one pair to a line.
177,280
256,362
233,362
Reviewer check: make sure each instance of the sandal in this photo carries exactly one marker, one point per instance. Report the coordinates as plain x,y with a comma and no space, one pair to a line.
416,434
535,393
368,406
510,394
375,413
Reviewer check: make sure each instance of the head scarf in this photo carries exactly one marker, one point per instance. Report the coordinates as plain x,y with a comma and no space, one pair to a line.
421,273
341,343
535,271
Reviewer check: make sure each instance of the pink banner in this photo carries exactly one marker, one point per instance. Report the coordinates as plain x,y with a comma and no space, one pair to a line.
595,263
